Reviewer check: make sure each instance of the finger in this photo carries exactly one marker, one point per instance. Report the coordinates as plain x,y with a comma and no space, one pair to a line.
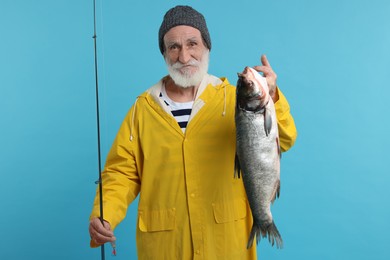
100,239
265,70
98,227
265,61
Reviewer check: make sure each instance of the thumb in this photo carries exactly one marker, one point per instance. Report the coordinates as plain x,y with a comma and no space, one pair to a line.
106,225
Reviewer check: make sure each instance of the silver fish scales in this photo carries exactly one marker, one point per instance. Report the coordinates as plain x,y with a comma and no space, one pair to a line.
258,152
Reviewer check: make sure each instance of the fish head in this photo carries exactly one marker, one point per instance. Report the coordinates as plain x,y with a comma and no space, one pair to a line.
252,90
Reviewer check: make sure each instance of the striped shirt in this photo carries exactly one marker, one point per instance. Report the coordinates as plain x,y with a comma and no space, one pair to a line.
181,111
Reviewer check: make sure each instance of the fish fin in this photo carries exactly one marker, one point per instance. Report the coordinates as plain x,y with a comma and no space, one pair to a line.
267,122
278,145
254,232
237,168
276,193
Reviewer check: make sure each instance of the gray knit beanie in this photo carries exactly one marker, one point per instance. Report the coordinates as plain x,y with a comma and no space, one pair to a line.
183,15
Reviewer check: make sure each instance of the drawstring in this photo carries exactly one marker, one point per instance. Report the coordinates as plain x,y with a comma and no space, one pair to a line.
224,102
132,120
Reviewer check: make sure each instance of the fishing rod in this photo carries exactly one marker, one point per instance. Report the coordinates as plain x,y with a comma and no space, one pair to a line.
99,181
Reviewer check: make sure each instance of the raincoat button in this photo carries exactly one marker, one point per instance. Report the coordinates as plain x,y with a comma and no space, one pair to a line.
192,195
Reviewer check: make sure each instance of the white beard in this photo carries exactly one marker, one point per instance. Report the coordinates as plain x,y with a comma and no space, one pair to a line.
185,78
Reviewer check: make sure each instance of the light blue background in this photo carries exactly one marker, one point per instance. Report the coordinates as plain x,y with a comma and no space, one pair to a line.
333,63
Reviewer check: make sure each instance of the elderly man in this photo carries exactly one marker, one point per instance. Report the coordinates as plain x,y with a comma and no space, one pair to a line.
176,149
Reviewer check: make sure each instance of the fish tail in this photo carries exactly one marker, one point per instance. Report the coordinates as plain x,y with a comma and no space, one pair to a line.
270,231
254,232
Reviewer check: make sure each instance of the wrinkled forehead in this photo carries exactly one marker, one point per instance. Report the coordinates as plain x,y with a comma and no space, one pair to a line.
182,33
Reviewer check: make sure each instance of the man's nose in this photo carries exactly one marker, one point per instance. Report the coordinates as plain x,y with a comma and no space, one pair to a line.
184,55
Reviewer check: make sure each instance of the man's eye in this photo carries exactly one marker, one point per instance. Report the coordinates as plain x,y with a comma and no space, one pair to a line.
174,47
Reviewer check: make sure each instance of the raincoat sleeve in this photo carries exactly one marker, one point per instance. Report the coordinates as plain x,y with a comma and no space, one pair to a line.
286,126
121,182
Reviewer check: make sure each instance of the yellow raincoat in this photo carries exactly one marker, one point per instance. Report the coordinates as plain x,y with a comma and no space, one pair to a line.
190,204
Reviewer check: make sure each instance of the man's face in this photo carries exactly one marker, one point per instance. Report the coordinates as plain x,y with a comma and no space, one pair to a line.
186,55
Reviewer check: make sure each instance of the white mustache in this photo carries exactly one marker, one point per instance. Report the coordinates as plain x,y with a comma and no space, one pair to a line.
179,65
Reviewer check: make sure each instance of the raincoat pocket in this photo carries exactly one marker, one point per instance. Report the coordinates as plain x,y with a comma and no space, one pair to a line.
229,211
157,220
230,228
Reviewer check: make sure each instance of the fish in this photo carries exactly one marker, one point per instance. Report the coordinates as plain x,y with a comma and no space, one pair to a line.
258,153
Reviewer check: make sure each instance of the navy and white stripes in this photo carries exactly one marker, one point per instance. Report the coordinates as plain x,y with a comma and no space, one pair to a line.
180,111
